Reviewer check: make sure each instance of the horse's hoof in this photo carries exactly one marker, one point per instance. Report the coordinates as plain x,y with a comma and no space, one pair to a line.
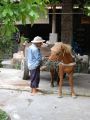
60,96
74,96
52,85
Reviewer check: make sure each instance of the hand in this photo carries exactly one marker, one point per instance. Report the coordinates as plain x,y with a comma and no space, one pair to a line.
42,68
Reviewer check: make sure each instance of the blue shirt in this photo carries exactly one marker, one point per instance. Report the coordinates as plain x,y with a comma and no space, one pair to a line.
34,57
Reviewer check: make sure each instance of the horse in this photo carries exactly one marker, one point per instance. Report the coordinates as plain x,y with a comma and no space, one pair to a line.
62,54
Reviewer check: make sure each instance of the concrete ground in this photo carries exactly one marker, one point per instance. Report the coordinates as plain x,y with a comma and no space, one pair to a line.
16,100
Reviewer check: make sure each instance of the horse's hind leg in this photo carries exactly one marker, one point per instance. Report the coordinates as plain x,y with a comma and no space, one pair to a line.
60,86
52,77
61,80
71,84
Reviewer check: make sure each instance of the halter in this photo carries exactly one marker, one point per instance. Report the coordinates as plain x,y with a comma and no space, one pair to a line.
69,64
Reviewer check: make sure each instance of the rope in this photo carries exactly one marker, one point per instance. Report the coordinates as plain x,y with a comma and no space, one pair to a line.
53,64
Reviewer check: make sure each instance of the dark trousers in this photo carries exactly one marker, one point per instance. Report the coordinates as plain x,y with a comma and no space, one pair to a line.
35,77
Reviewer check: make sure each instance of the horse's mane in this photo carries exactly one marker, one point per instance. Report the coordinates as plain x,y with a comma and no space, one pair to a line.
58,46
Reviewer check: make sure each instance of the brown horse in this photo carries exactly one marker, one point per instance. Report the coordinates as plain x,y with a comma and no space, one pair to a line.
63,53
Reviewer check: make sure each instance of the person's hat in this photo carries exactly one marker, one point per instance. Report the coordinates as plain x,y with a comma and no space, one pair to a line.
37,39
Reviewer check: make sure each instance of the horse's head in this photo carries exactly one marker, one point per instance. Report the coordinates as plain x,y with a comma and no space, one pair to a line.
56,52
55,56
59,51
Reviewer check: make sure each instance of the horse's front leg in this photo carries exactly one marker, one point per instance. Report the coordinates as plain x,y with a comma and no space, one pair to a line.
60,74
71,84
52,77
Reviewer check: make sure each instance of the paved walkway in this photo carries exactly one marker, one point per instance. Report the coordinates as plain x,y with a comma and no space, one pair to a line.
16,100
12,79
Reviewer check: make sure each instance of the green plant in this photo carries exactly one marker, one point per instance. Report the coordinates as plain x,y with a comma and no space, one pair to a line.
5,47
3,115
17,66
13,11
23,39
1,64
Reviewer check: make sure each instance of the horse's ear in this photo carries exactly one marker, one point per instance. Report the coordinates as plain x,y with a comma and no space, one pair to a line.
62,46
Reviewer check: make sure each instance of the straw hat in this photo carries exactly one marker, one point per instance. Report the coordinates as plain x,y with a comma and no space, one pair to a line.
37,39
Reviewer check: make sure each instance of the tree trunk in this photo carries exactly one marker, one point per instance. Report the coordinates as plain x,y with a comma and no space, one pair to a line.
53,37
67,22
54,19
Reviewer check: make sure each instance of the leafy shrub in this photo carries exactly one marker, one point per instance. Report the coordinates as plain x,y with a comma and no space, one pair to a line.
3,115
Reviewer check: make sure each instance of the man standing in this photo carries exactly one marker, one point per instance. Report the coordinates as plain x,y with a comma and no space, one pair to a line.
34,61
